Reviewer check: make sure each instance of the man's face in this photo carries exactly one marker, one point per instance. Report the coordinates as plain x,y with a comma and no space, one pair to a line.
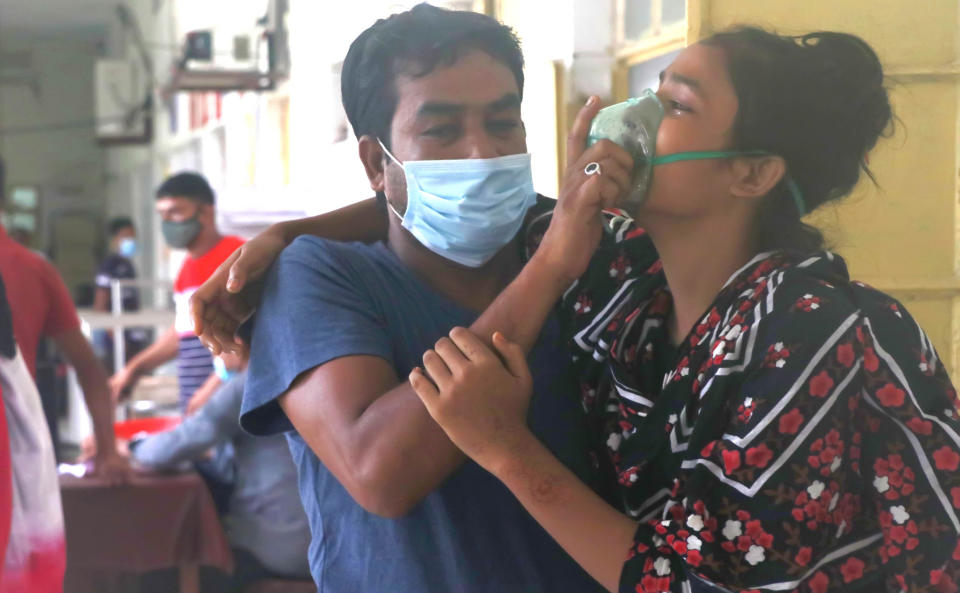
179,209
467,110
124,233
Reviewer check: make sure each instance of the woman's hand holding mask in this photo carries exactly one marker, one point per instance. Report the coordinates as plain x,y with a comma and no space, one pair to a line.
597,178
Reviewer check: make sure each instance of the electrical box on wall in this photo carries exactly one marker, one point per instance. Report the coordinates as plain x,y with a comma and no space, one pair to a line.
122,102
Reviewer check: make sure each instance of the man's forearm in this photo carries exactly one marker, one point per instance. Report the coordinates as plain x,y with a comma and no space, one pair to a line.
164,349
96,394
364,221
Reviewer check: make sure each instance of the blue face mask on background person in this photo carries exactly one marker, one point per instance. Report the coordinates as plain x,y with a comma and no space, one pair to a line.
127,247
466,210
634,124
220,368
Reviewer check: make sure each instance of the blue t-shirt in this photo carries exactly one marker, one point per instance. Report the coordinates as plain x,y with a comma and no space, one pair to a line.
324,300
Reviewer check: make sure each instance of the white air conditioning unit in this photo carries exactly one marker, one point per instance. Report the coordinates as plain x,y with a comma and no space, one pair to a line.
122,101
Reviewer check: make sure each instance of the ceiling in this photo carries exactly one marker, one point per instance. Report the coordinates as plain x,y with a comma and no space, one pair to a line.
56,17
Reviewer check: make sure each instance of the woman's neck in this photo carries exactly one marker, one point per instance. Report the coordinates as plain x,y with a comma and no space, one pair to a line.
699,256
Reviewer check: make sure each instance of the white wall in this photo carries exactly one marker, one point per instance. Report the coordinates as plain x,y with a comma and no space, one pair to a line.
47,140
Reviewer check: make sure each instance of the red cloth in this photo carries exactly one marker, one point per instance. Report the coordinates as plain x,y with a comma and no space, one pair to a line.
193,273
6,484
155,521
39,299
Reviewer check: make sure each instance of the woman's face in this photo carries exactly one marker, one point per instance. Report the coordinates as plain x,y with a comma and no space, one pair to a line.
699,111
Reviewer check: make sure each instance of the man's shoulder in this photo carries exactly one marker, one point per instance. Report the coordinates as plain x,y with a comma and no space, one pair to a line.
317,252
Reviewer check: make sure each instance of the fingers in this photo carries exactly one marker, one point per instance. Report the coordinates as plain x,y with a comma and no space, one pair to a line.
470,345
423,386
451,355
577,139
513,356
436,369
238,271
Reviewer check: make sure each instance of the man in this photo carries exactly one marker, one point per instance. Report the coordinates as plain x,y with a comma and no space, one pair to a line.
185,203
117,265
265,521
42,307
392,504
32,545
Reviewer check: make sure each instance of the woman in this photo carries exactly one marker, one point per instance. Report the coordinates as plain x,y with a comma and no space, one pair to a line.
767,424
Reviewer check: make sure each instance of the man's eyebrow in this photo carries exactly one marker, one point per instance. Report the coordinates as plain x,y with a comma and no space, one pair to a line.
437,108
508,101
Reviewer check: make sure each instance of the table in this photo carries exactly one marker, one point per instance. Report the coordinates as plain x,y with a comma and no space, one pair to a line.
151,523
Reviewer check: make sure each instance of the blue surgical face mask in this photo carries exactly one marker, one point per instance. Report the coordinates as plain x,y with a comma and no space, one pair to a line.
127,247
634,124
220,368
466,210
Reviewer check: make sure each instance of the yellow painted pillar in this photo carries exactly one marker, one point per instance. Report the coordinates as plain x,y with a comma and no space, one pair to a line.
903,236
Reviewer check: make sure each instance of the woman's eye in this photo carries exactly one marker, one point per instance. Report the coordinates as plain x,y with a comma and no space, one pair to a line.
677,106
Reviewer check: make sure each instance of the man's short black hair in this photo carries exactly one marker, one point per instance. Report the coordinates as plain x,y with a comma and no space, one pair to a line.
118,224
186,185
415,42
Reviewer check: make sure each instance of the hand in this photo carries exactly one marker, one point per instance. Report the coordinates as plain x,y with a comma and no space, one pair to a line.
121,383
112,467
576,227
230,295
478,401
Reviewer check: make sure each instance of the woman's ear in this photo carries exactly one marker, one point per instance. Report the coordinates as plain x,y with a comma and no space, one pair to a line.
371,155
755,177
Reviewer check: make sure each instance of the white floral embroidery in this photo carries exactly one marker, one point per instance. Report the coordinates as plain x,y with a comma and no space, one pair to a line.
672,419
614,441
719,348
694,543
755,556
834,501
815,489
747,402
882,484
662,566
780,363
684,371
778,346
814,305
695,522
924,367
658,541
732,529
808,296
836,463
900,514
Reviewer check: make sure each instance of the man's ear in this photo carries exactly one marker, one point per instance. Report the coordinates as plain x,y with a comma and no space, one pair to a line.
754,177
371,155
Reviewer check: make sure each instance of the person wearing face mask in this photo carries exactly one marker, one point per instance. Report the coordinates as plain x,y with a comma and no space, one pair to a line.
185,204
118,265
434,98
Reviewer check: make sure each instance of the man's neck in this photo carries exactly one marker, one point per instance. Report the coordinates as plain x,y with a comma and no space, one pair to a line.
207,240
471,288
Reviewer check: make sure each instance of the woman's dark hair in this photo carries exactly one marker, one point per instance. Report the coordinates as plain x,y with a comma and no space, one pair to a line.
187,185
415,42
818,101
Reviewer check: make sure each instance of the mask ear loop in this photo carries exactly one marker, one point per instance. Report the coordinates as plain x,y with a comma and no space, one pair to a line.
792,186
397,161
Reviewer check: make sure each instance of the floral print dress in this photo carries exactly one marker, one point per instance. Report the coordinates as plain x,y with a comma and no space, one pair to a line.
803,437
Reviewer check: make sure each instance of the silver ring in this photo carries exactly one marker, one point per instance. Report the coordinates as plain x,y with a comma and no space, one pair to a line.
592,169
